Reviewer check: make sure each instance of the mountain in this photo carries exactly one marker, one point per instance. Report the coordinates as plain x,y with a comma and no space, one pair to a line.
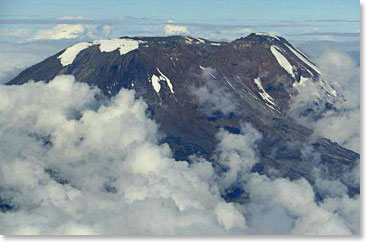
194,87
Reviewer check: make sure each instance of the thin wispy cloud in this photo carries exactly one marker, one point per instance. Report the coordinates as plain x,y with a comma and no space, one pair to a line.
336,34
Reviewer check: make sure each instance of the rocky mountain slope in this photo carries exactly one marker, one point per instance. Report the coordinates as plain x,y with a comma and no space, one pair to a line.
194,87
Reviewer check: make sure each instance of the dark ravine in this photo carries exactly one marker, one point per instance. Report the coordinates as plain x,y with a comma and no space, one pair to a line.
233,67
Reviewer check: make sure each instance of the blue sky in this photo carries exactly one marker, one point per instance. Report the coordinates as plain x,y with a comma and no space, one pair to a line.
216,19
189,10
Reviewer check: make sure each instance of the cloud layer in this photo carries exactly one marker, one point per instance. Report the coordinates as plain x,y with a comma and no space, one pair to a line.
75,163
65,31
52,28
341,124
71,165
175,29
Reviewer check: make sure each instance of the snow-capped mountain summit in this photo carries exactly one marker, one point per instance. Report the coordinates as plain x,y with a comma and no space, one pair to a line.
270,67
194,87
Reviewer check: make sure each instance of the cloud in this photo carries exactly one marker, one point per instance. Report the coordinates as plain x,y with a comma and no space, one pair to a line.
74,17
62,31
343,128
175,29
19,56
335,20
247,30
106,30
326,37
15,32
341,124
331,34
279,205
282,206
236,155
229,30
70,165
211,96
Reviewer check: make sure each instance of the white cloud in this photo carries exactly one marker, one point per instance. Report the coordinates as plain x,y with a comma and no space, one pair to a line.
228,216
247,30
341,125
62,31
20,56
175,29
74,17
326,37
106,30
282,206
71,165
15,32
236,154
343,128
211,96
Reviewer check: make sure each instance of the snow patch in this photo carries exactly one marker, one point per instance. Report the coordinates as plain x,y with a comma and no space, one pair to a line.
269,101
123,45
68,56
201,41
155,82
333,92
188,40
305,60
215,44
174,65
165,78
228,83
283,62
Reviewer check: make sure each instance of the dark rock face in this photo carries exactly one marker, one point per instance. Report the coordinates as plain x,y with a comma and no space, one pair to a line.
232,68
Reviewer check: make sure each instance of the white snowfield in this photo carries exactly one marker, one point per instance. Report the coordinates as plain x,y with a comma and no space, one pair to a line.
155,82
123,45
269,101
302,58
283,62
68,56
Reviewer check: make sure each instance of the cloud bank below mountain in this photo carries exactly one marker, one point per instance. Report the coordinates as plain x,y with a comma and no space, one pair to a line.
73,162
